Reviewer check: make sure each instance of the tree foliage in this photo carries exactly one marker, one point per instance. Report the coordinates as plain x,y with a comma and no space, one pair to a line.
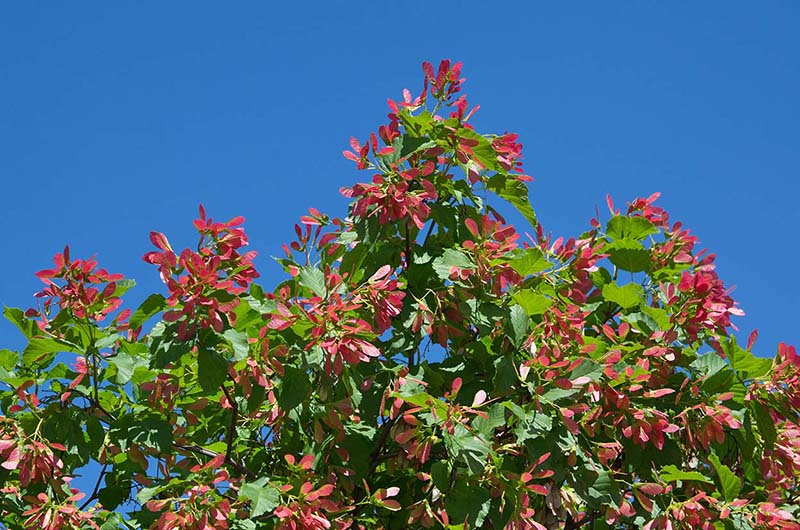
423,365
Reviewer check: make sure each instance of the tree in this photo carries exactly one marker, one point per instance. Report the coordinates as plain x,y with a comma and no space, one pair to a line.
423,365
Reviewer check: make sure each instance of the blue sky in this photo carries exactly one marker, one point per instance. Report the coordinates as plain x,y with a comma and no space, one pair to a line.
120,118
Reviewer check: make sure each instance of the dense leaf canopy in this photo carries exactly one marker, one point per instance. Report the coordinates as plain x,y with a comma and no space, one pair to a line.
423,365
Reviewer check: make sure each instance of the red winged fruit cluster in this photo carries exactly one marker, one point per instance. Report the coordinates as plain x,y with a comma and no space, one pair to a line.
423,365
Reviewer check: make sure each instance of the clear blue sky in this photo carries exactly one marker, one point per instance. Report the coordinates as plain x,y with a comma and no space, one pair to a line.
117,118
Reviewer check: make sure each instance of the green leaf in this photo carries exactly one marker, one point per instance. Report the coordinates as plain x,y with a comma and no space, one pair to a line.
126,364
628,255
483,152
8,359
410,144
729,483
603,489
115,520
515,192
532,302
294,388
556,394
641,321
535,425
529,261
238,341
107,341
718,374
495,417
95,434
440,473
660,316
671,473
420,124
40,352
263,497
626,296
588,368
518,319
17,317
151,431
744,362
145,494
212,369
314,279
450,258
766,426
123,286
635,227
709,364
152,305
468,447
505,373
468,503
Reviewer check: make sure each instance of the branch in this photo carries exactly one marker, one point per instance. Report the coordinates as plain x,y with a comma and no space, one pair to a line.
232,426
430,230
572,524
95,404
375,454
409,259
93,496
374,458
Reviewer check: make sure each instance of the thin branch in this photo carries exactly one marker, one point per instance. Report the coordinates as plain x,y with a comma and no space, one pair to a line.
428,235
409,259
374,458
95,404
572,524
93,496
375,454
232,426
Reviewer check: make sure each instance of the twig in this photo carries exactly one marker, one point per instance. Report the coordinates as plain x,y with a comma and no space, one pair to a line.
93,496
375,454
374,458
95,404
572,524
232,426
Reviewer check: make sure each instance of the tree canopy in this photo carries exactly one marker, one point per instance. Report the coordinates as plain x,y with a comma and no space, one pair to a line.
423,365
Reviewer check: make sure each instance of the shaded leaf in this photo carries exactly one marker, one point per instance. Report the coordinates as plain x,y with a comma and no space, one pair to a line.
126,364
263,497
468,447
294,388
468,503
729,483
766,426
212,369
238,341
628,255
